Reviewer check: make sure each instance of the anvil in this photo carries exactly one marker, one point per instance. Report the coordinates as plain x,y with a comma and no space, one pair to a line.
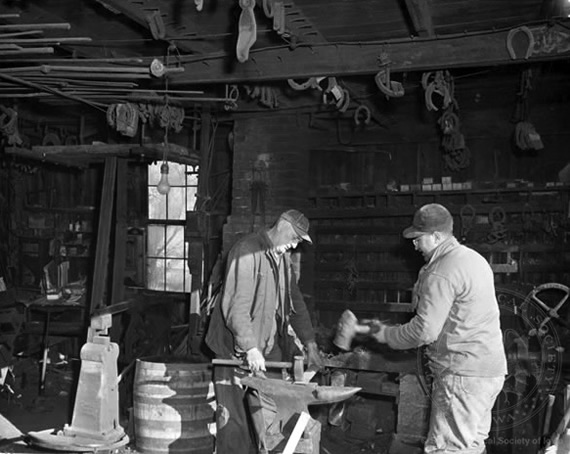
293,398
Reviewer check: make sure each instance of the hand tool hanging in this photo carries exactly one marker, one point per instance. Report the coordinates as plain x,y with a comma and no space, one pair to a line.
525,135
259,188
497,219
390,88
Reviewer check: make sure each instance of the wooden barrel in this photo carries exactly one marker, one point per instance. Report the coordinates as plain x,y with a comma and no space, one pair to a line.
173,406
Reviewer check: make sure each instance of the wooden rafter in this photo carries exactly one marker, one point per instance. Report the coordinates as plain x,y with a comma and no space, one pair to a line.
177,26
421,17
459,51
95,153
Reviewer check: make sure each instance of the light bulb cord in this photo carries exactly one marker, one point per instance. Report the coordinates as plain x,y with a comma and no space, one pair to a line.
166,108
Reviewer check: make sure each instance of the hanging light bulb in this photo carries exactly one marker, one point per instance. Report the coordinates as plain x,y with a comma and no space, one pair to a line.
163,185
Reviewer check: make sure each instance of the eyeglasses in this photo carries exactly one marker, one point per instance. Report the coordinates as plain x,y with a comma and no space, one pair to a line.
416,240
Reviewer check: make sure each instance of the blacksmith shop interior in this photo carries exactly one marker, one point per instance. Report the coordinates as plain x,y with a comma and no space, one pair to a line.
285,226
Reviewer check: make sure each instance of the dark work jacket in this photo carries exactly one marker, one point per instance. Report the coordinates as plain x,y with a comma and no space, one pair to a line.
245,313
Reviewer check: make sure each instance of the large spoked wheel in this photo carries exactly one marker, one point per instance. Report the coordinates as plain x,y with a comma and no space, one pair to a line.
551,298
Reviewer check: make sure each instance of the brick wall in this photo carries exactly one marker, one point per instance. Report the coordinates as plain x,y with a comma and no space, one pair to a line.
271,150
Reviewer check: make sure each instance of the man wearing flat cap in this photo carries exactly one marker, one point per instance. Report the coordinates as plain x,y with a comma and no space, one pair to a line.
260,313
457,319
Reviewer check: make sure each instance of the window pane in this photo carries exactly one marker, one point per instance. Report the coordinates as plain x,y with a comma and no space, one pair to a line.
176,173
156,204
178,276
175,241
191,199
154,173
155,241
155,274
175,275
177,203
192,177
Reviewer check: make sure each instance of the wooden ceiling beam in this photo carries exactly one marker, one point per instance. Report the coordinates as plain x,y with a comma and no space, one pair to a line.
421,17
96,153
551,42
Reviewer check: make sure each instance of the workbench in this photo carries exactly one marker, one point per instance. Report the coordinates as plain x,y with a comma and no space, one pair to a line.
57,317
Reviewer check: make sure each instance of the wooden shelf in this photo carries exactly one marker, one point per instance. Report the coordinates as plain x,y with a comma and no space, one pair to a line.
398,204
522,190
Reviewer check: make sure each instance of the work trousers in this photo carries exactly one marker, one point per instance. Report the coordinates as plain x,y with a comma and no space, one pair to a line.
243,417
460,418
233,426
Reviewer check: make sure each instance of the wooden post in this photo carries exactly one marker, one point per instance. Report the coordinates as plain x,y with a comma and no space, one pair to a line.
120,249
117,284
103,236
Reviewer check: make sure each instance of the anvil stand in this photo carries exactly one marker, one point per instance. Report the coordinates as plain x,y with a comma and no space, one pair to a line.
291,408
95,423
292,429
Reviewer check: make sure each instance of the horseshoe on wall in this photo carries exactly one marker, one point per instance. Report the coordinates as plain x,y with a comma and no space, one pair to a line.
390,88
309,83
362,115
51,139
515,31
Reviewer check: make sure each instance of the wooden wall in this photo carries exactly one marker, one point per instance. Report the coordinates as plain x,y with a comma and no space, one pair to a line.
309,157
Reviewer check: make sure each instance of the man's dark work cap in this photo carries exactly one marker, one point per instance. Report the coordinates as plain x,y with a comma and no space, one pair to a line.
430,218
299,222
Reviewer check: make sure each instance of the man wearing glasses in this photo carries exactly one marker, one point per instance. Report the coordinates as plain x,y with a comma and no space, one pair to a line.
457,318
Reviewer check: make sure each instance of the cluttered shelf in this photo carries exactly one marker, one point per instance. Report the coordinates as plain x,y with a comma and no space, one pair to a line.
340,203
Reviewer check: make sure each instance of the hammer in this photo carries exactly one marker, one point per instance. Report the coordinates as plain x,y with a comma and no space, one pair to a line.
348,327
299,375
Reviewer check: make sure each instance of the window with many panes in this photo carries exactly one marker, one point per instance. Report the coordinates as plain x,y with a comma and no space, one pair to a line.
167,250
